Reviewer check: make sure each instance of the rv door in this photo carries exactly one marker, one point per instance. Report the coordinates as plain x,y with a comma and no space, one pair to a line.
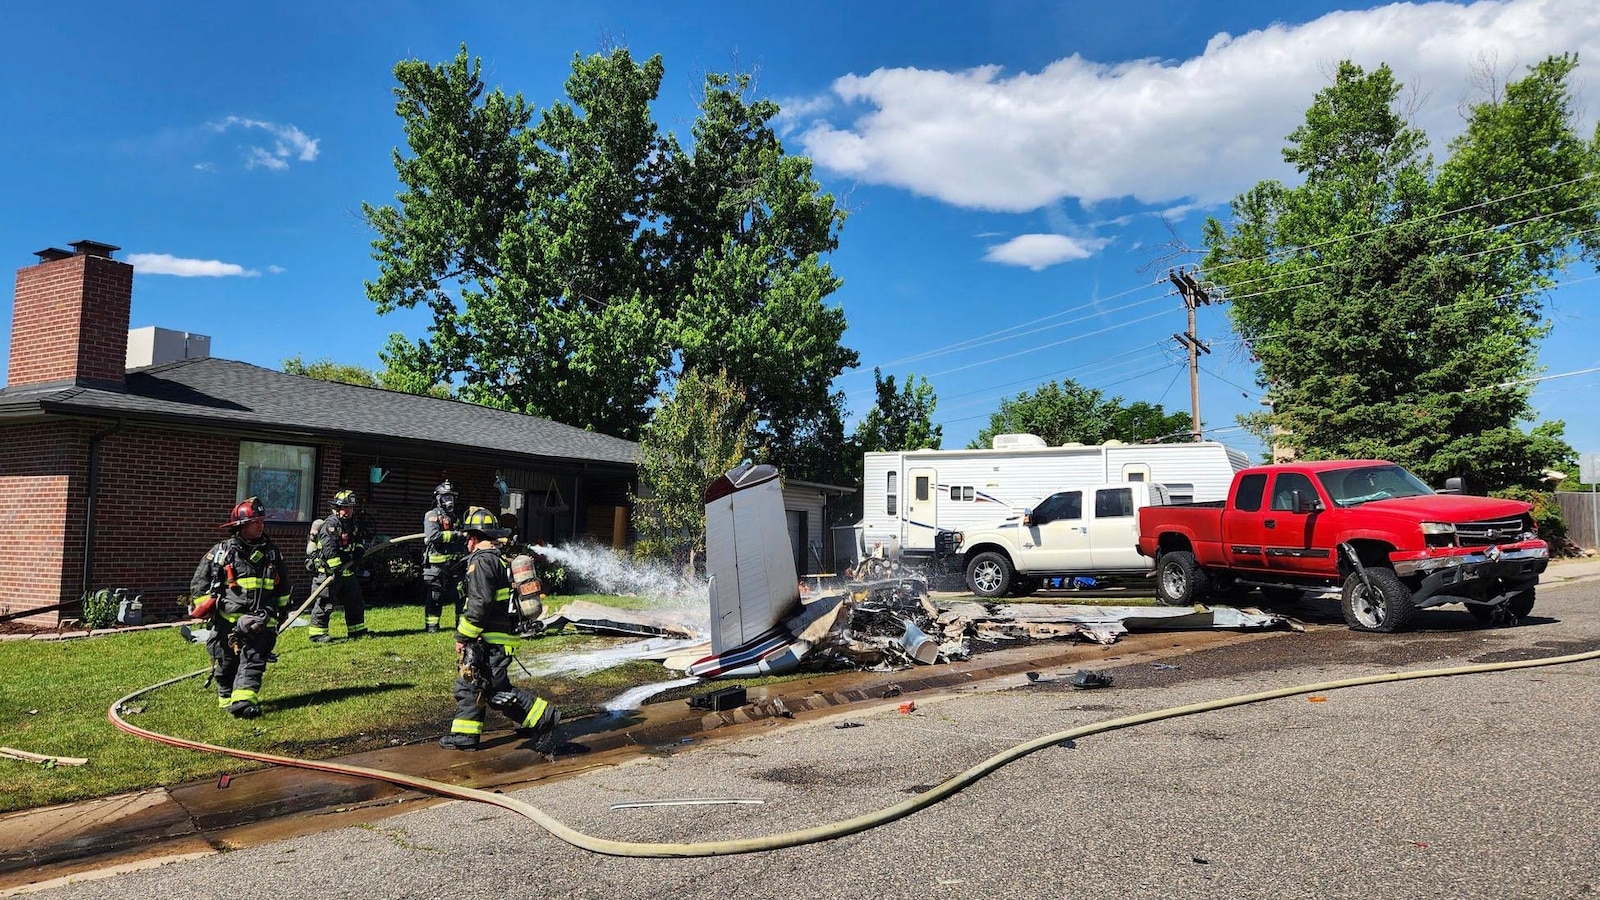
922,509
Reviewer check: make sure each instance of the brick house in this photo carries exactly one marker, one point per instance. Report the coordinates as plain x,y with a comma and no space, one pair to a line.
120,453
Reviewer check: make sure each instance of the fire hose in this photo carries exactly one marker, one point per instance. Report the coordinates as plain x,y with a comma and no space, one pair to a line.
816,833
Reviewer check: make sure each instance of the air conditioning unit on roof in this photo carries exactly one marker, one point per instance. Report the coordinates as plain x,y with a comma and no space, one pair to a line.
1016,441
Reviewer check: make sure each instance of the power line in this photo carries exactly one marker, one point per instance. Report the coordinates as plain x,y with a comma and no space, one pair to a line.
1004,333
1384,227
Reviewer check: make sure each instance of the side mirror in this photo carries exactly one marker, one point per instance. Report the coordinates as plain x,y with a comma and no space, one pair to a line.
1307,504
1454,486
1027,518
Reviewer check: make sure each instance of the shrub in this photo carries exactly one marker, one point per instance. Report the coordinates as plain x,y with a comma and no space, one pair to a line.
99,609
1546,515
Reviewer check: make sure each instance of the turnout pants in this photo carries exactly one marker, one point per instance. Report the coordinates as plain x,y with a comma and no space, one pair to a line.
441,588
491,665
240,661
345,591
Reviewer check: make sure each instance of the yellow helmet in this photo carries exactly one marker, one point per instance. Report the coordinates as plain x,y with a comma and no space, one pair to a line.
480,521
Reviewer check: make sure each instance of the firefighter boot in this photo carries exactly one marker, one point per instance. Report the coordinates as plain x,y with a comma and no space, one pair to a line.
244,709
459,742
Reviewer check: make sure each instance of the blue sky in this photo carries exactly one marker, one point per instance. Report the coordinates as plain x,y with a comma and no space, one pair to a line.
1007,166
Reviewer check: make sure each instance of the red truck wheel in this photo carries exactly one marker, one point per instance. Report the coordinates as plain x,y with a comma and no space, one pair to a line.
1179,579
1385,607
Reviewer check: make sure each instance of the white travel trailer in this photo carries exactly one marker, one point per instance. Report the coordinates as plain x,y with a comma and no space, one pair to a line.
910,496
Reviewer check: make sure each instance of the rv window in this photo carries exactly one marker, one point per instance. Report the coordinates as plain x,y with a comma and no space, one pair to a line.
1113,503
961,492
966,492
1136,477
1181,493
922,488
891,496
1248,497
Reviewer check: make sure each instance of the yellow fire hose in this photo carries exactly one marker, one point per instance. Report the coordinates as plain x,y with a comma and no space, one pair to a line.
819,832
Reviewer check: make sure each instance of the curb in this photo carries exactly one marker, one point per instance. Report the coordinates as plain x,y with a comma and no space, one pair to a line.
76,635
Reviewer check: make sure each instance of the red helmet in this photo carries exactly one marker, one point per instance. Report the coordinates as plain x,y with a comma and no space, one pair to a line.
246,510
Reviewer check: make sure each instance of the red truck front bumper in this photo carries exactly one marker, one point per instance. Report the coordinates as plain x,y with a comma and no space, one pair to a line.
1525,557
1481,573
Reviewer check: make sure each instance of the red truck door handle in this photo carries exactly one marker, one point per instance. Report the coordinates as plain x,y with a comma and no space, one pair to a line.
1271,523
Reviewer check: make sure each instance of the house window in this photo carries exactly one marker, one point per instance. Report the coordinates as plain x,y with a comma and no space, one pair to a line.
892,495
281,476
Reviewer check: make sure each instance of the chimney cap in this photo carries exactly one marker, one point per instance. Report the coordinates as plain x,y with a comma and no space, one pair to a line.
94,248
51,254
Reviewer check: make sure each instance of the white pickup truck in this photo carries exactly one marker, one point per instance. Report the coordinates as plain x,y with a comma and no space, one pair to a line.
1091,530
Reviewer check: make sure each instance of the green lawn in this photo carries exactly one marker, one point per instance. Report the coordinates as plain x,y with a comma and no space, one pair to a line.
319,701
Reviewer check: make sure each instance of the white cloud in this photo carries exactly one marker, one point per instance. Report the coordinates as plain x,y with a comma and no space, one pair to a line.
167,264
1200,129
289,144
1040,251
276,270
205,167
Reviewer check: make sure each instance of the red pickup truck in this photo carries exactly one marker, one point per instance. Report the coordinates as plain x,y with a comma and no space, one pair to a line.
1391,543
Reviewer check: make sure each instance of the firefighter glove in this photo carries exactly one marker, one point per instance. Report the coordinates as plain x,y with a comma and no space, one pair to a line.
251,623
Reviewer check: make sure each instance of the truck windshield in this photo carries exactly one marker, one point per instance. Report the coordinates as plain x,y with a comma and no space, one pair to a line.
1353,487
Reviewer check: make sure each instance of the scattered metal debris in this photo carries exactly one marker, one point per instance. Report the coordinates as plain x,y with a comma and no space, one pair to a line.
719,700
592,618
1087,679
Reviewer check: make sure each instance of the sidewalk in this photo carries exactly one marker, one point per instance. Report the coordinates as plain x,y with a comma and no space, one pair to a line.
1572,569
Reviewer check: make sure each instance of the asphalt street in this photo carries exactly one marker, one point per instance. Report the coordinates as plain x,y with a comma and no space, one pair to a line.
1477,786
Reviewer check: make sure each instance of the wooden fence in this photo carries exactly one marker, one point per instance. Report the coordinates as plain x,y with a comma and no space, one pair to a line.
1578,511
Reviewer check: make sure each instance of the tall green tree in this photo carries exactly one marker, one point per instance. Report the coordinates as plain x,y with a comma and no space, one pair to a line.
327,370
576,262
699,432
1065,412
901,419
1395,307
393,377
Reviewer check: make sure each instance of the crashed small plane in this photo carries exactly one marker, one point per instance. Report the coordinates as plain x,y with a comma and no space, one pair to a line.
763,624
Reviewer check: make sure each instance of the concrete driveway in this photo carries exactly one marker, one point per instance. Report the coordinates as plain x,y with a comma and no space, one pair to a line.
1473,786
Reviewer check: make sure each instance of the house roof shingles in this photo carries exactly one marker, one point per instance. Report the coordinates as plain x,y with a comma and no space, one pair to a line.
226,392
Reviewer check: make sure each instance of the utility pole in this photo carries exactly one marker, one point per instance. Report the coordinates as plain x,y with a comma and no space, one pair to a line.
1193,296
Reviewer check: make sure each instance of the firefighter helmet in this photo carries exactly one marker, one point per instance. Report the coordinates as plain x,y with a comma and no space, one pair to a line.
344,499
246,510
482,522
445,496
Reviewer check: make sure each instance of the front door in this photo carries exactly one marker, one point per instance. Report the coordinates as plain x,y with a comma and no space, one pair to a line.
1059,533
1288,526
922,508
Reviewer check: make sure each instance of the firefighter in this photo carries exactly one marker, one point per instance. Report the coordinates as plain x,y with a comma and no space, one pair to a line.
443,556
242,587
486,642
338,559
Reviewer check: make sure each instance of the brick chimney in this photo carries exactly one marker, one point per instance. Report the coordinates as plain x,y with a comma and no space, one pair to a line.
69,324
